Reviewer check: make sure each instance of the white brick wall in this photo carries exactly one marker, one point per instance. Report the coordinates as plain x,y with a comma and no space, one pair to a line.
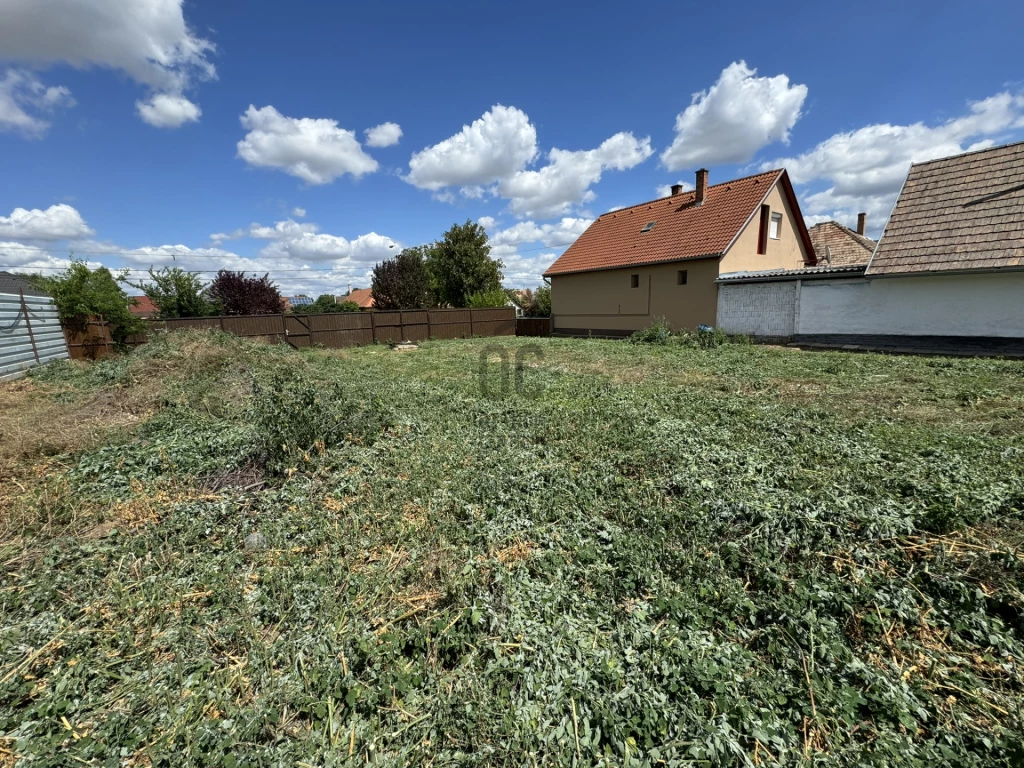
758,309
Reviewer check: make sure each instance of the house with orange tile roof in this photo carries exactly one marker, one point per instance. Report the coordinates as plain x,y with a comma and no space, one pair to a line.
663,258
361,296
143,306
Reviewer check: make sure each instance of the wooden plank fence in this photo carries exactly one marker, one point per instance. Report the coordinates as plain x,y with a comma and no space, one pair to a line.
349,329
533,326
88,339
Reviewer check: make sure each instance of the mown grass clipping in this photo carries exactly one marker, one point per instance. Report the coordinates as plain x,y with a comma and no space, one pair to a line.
216,552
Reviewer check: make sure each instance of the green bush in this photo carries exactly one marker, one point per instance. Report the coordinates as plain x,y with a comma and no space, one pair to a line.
658,332
297,417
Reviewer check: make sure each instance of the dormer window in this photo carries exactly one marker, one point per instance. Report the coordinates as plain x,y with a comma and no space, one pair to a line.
648,227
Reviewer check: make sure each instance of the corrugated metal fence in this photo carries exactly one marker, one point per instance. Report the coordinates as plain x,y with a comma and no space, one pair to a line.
30,334
352,329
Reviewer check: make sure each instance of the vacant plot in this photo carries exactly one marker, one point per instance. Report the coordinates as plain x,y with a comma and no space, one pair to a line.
220,553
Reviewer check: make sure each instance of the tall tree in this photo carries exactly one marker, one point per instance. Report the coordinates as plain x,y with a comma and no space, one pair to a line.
238,294
80,292
402,282
461,265
176,293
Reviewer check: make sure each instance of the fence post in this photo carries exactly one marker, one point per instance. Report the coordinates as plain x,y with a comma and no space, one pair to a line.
429,336
471,323
373,328
28,325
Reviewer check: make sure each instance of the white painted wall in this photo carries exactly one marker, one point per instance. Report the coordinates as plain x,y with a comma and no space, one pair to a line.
758,309
984,304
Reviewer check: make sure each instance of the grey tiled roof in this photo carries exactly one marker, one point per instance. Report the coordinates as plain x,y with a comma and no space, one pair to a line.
962,212
13,283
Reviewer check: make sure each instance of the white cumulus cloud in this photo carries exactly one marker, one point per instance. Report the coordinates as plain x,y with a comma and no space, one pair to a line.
734,118
566,180
383,135
492,157
148,40
58,222
315,150
164,111
24,99
298,212
494,147
864,169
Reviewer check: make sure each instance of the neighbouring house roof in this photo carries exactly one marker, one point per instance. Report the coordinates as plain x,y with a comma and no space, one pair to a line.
683,230
15,283
837,245
143,307
763,275
361,296
958,213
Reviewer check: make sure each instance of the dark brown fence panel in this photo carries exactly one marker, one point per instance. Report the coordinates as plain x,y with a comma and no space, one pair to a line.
415,332
440,316
344,329
193,322
415,317
340,339
387,318
533,326
88,339
344,321
492,315
506,327
451,330
254,325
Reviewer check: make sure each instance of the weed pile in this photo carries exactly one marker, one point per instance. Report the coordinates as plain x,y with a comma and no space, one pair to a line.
705,337
665,555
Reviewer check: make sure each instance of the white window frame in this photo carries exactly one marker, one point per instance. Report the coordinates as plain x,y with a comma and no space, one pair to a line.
775,223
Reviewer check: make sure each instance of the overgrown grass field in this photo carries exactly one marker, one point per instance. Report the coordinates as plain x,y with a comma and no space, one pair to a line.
216,552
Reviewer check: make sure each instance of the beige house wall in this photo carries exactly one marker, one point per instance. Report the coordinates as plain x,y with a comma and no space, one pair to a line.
788,252
604,300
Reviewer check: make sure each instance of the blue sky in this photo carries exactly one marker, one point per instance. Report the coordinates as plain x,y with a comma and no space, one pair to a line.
233,134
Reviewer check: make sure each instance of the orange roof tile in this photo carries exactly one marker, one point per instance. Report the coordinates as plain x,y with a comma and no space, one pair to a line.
683,230
361,296
143,307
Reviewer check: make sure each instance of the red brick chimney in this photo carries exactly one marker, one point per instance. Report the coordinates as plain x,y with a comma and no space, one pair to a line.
702,185
677,189
862,223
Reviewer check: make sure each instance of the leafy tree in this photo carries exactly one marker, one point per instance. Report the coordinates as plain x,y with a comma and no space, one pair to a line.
540,306
176,293
80,292
238,294
402,282
460,265
491,298
327,303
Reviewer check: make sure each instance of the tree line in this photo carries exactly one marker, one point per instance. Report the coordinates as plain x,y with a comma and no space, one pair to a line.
455,271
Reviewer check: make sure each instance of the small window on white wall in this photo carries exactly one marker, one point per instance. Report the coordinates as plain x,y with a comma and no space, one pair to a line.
775,227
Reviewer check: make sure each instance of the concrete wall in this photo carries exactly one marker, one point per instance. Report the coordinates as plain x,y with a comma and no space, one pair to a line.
605,300
758,309
788,252
981,305
984,304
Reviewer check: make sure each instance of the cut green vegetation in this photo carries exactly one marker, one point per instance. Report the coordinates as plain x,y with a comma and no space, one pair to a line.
216,552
